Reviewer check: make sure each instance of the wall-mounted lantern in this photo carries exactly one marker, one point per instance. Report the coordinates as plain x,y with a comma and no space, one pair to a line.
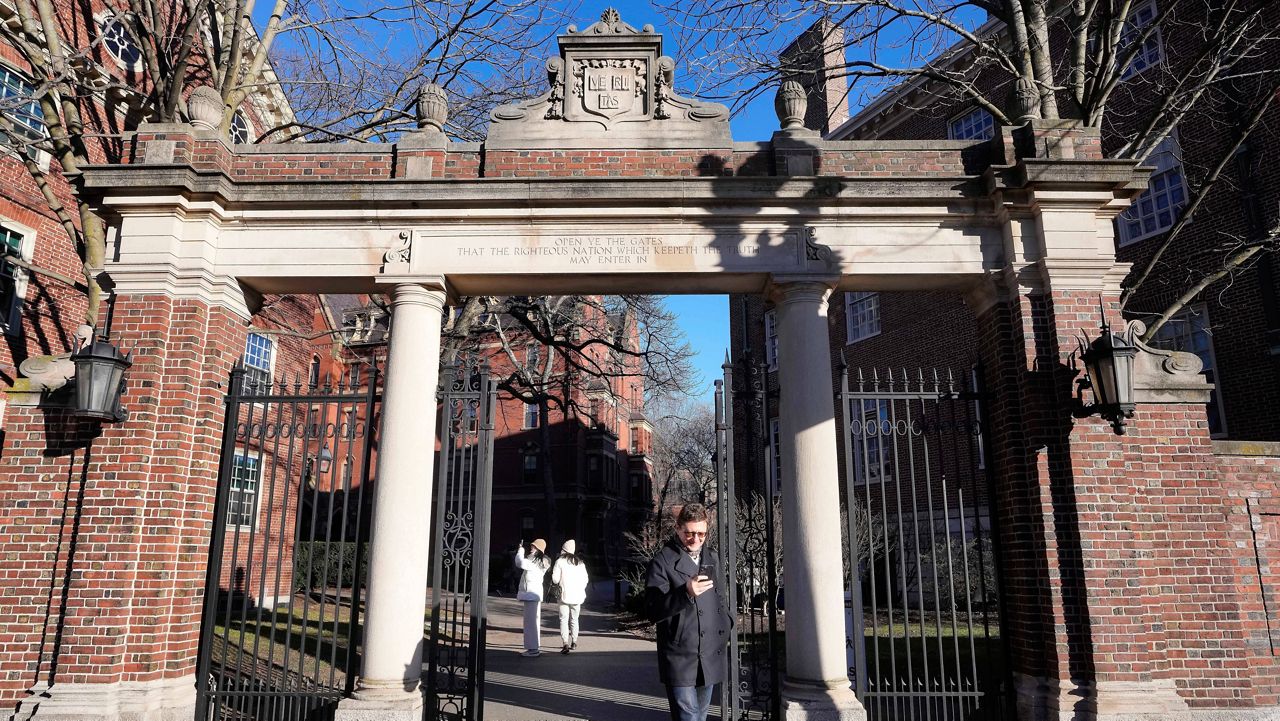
100,369
1108,366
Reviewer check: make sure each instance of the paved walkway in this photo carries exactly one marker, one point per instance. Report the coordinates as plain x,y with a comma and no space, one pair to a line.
613,676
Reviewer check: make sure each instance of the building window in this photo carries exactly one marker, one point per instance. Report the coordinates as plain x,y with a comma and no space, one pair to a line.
21,108
1189,331
242,503
532,415
13,279
1149,53
259,354
872,440
1158,207
241,130
771,339
861,315
313,373
120,43
526,522
532,358
775,456
976,124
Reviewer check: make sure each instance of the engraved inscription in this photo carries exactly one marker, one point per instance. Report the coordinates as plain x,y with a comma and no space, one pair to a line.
612,250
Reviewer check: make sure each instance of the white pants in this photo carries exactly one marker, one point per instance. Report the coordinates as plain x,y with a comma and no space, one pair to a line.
532,625
569,622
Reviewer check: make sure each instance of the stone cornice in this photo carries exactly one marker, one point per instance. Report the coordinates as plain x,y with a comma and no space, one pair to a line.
117,184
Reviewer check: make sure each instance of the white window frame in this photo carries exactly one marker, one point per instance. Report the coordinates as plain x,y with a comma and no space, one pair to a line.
958,127
254,373
771,339
107,19
775,456
871,461
239,492
532,358
532,415
1153,51
864,308
241,135
1167,182
41,157
11,317
1169,339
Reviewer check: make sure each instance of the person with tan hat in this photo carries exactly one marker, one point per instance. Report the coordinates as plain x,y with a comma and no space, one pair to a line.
534,564
570,573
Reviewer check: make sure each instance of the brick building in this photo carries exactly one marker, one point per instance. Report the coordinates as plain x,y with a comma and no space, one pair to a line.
1232,326
1134,566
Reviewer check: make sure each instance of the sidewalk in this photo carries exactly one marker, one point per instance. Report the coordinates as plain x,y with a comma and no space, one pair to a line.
613,676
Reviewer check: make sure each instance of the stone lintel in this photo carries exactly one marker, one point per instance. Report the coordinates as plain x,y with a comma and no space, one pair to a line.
1262,449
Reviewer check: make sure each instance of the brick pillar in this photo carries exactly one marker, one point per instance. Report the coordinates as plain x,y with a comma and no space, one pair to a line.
106,527
1117,550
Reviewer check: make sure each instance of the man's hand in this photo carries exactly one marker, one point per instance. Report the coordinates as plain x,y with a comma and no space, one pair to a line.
698,585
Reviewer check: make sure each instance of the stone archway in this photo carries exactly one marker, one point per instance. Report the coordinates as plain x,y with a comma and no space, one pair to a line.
588,192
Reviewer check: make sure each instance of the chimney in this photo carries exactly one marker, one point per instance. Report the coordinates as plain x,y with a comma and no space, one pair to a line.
816,61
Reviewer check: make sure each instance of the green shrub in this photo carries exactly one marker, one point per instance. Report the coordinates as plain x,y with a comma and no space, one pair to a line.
314,569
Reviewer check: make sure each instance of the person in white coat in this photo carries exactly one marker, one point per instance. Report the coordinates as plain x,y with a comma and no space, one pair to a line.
534,564
570,573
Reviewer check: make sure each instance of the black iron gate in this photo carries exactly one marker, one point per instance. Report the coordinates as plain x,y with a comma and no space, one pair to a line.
460,546
285,582
748,517
924,623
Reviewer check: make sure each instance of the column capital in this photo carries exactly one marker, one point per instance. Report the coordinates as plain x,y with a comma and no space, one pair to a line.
430,294
799,288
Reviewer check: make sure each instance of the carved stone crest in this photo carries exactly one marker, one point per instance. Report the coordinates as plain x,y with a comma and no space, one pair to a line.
611,86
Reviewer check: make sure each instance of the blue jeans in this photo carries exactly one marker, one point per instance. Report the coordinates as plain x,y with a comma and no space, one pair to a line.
689,703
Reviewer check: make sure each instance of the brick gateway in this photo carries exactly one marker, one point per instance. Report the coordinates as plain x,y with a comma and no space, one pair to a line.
1132,564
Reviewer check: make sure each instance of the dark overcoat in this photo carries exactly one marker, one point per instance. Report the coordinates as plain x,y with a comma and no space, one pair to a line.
692,633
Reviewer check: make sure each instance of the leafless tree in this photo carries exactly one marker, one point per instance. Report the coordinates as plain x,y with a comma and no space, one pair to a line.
350,68
1035,59
595,358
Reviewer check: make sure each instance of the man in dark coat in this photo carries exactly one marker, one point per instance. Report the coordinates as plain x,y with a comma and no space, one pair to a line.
693,622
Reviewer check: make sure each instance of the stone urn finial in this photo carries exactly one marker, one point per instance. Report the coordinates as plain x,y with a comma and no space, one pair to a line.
205,108
790,103
1024,101
433,107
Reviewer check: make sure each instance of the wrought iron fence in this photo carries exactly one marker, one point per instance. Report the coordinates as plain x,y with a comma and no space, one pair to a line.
747,526
284,590
923,630
460,546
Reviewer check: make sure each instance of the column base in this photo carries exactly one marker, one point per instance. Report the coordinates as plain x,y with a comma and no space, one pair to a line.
812,702
1064,700
170,699
381,704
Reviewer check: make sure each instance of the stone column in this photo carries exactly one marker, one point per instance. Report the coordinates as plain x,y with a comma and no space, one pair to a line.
817,677
396,600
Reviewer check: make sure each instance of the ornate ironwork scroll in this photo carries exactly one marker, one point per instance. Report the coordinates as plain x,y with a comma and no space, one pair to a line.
748,522
460,545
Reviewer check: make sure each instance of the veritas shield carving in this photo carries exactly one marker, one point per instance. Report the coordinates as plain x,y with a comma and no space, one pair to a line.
612,88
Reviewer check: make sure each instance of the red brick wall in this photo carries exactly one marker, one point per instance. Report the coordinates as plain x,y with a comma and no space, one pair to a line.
113,564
